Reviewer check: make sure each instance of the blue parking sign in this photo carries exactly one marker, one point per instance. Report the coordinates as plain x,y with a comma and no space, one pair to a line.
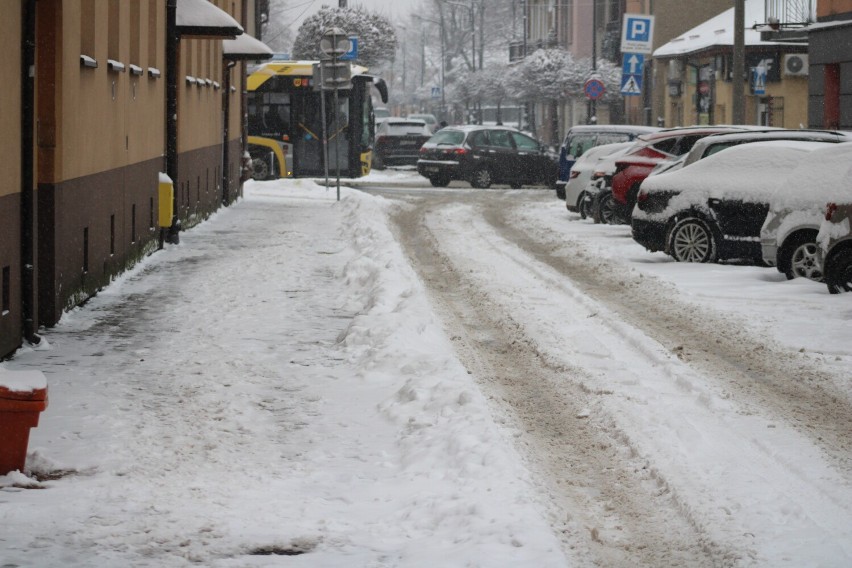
637,33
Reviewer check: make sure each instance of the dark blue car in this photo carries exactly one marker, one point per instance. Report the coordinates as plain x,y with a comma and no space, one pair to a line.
581,138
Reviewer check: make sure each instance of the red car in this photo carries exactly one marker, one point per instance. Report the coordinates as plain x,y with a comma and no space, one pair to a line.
631,169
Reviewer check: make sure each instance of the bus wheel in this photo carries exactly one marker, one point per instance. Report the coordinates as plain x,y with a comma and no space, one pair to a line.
260,168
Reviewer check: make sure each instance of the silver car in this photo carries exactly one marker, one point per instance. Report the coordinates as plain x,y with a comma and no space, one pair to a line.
788,236
835,242
578,189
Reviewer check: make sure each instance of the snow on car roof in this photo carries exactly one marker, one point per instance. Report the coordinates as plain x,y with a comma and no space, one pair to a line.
824,177
749,171
604,150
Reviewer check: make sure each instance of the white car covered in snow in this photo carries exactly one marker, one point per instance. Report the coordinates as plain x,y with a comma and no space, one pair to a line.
579,189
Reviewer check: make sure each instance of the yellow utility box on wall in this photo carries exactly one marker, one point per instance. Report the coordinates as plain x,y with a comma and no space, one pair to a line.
167,195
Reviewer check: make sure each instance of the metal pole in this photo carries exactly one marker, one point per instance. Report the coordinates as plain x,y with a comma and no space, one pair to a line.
592,107
324,125
336,131
738,89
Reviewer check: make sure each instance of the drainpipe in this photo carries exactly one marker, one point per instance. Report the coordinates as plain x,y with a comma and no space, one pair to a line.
226,111
172,42
27,178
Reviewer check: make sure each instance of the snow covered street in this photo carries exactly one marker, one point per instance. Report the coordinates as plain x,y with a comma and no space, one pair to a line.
436,378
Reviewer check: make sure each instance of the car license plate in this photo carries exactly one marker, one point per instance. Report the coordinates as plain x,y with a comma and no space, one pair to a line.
431,168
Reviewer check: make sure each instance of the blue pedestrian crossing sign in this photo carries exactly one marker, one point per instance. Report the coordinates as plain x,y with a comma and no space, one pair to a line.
631,85
631,74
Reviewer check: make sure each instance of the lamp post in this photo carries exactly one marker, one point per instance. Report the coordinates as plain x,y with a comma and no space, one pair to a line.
441,25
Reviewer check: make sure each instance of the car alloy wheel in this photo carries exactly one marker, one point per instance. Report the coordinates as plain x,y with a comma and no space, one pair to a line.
802,260
838,273
584,205
692,241
605,210
481,178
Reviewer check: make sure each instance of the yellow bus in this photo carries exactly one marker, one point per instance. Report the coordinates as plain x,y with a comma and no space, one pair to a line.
285,128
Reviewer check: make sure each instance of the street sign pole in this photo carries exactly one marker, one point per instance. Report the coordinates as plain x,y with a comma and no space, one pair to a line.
334,43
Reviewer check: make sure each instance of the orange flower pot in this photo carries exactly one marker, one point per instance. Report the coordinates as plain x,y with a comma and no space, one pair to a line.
19,411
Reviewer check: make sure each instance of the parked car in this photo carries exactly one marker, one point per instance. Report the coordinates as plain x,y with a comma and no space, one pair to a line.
835,240
486,155
632,168
714,209
709,145
789,233
429,119
579,190
581,138
398,142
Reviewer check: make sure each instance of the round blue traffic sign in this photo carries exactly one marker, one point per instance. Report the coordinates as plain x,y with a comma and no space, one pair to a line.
594,89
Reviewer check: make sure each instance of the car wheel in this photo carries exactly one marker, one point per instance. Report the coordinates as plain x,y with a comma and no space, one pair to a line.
260,169
439,181
481,178
604,210
798,257
517,185
584,205
691,240
838,273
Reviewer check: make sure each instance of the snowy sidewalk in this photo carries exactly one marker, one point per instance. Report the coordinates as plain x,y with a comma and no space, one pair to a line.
275,384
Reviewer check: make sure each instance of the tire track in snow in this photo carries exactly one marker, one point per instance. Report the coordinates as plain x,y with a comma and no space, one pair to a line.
610,507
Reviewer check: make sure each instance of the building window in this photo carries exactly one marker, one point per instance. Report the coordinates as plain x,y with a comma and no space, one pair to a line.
85,250
6,285
114,25
153,26
135,31
111,235
87,28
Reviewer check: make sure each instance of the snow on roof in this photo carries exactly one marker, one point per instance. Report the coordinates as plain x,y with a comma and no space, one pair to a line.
203,14
246,45
718,31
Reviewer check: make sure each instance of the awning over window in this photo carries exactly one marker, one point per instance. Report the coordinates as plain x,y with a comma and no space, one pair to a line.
245,47
201,18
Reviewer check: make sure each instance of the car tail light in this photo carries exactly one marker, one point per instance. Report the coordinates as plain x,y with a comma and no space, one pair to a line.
460,151
574,174
829,211
598,175
642,196
423,149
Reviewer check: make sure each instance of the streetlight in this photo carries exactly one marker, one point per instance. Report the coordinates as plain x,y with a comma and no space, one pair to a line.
441,24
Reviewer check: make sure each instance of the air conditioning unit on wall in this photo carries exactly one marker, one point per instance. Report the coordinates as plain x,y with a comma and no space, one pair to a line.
796,64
